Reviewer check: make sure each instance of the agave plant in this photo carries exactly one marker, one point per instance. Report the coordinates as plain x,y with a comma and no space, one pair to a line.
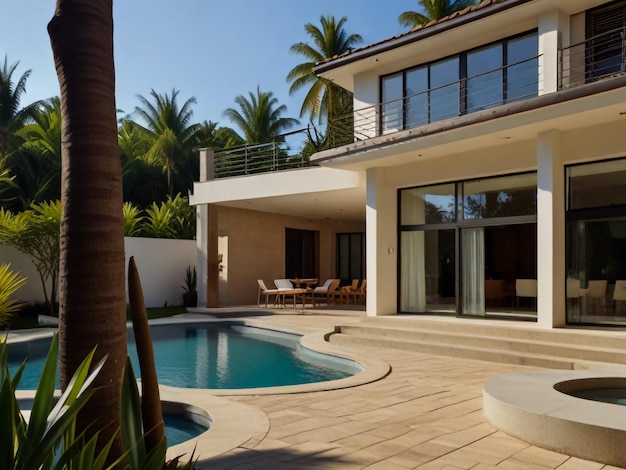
47,439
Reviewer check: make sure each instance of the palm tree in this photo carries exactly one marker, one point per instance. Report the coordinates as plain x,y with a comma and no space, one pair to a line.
169,131
12,118
36,163
324,99
433,10
91,280
258,117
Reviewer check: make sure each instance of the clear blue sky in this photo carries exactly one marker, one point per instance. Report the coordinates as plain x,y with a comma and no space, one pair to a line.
211,49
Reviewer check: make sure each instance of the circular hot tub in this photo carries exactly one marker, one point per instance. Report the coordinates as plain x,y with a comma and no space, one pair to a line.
543,408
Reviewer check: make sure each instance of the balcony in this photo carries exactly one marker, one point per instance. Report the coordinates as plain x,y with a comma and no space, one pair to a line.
515,82
597,58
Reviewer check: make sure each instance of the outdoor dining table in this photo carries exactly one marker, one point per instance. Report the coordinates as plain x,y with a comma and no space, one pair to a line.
295,292
298,282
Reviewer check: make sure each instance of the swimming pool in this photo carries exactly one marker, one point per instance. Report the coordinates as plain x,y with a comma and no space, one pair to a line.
214,355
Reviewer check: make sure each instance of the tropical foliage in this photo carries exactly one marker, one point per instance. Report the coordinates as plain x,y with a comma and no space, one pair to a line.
432,10
324,100
259,117
12,117
169,131
10,282
47,439
35,232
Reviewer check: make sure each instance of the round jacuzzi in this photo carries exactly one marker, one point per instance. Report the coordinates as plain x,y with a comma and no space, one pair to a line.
546,408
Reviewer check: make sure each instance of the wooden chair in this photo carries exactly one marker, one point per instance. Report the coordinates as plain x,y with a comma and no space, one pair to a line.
345,292
326,290
359,294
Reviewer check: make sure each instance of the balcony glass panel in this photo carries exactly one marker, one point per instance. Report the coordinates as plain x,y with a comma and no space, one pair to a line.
522,73
444,86
500,197
428,205
392,114
485,78
416,97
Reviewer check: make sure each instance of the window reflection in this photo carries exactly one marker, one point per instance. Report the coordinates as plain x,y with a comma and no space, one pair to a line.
431,205
444,85
500,197
485,85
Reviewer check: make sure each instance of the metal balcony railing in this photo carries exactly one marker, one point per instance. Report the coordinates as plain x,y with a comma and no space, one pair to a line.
597,58
515,82
261,158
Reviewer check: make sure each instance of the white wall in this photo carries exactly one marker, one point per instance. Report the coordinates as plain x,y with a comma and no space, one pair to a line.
161,263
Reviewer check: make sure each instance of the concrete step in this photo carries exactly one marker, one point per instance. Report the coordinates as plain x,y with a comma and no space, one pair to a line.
598,338
543,347
468,352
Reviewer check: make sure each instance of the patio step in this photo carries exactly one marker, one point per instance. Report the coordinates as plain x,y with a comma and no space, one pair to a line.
559,349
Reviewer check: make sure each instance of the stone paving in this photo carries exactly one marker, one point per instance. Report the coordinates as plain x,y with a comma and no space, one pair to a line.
426,414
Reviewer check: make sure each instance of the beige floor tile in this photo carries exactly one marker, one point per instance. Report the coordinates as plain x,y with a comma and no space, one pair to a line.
574,463
538,456
359,441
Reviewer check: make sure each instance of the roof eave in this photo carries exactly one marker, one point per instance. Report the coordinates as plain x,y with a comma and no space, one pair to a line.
417,35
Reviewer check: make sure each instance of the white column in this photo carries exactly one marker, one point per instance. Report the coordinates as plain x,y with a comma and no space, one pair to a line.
202,220
553,33
381,245
550,231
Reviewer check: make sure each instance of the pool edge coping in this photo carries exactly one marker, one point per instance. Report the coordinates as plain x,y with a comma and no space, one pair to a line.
234,423
527,405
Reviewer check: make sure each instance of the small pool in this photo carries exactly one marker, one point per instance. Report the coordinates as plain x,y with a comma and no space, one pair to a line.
214,355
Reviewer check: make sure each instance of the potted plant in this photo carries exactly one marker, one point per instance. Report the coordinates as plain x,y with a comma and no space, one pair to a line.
190,294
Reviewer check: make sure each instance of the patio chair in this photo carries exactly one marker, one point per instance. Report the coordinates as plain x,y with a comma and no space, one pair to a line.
327,290
344,292
266,292
359,294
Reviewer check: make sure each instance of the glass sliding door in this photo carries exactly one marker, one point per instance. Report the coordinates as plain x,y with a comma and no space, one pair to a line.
463,246
427,271
596,243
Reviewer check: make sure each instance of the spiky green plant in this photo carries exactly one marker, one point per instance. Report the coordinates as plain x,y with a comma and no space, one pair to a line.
132,219
158,224
47,440
9,283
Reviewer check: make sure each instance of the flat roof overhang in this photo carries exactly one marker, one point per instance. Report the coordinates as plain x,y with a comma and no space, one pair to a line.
462,32
317,192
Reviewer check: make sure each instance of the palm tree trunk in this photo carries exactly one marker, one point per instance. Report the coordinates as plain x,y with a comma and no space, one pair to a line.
91,278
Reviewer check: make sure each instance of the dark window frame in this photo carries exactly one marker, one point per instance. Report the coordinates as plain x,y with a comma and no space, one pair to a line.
461,79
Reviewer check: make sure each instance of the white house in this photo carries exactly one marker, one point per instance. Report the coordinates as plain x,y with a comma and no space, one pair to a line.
486,177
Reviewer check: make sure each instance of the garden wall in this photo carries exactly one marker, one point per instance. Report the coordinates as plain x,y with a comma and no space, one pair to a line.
161,263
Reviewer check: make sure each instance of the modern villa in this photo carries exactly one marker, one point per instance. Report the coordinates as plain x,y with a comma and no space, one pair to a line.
485,175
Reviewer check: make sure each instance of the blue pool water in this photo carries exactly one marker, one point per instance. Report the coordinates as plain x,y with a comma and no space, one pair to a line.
210,355
179,429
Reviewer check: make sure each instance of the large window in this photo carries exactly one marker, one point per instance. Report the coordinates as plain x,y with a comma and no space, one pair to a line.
478,79
464,246
596,243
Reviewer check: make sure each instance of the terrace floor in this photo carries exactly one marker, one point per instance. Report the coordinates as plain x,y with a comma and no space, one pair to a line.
426,414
